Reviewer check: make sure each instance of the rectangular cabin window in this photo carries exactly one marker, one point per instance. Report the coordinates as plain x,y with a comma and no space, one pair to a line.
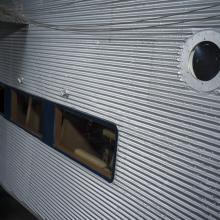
27,112
87,141
2,99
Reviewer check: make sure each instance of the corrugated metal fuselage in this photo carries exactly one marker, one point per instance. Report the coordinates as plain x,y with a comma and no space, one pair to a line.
120,61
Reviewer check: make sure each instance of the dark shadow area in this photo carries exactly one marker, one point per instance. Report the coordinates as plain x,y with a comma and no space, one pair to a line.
6,28
10,209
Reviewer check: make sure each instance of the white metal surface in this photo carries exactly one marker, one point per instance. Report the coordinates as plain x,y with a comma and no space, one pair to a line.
119,60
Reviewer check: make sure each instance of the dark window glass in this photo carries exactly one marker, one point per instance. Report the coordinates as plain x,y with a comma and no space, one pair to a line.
34,117
2,99
27,112
19,107
87,141
206,60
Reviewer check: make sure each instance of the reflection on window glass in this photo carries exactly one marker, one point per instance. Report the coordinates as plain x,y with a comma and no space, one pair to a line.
87,141
27,112
2,99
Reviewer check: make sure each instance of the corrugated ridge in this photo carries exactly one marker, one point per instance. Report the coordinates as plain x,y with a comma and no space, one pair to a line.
120,62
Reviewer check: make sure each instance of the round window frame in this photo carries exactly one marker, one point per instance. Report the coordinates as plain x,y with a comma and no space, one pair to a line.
187,72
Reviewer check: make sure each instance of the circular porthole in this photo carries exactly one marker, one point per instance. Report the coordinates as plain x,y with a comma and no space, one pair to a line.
205,59
200,64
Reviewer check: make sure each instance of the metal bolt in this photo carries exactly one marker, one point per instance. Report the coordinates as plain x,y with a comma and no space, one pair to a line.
65,93
20,80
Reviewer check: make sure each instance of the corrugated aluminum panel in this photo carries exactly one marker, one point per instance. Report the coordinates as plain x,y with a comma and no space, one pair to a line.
120,61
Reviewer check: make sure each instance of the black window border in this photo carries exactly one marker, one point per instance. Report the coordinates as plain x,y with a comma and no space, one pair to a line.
48,124
4,109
